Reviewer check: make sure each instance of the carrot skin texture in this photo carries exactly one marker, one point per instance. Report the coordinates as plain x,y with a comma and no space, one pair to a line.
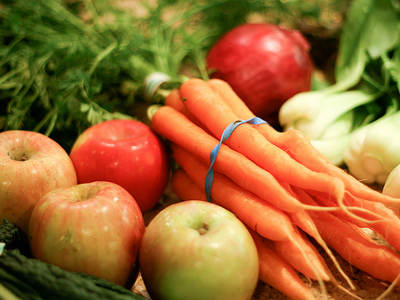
215,115
300,148
278,273
388,227
175,127
354,245
257,214
174,100
357,248
309,266
185,188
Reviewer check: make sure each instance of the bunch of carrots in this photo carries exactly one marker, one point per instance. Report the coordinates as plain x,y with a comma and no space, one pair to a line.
281,188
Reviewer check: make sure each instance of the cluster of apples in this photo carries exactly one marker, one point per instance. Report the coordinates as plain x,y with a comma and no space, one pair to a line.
83,211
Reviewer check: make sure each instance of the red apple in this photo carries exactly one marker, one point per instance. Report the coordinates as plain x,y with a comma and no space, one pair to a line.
31,164
126,152
95,228
199,251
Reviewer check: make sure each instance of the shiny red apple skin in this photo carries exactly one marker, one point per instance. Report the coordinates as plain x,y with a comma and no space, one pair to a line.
31,164
126,152
95,228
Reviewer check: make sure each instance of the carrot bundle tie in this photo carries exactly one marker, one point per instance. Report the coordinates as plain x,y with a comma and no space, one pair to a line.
213,155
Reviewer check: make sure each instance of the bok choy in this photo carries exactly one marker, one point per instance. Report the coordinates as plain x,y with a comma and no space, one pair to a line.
353,122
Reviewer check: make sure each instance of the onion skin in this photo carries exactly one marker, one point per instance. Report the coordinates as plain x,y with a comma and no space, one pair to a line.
265,65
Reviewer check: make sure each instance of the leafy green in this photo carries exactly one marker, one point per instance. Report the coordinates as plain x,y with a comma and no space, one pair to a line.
337,118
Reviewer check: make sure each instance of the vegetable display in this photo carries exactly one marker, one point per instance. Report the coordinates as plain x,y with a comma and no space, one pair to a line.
180,183
343,202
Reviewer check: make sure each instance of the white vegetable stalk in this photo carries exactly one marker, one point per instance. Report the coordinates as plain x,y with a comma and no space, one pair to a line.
392,183
336,139
392,186
374,150
326,117
313,112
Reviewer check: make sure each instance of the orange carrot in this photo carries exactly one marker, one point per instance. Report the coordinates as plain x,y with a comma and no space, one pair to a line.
257,214
174,126
354,245
185,188
300,148
174,100
278,273
304,221
216,115
387,222
302,255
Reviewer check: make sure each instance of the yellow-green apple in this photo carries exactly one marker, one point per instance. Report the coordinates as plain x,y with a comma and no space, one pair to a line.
126,152
31,164
198,250
95,228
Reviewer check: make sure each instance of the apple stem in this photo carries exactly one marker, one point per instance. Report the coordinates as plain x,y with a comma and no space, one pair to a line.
203,229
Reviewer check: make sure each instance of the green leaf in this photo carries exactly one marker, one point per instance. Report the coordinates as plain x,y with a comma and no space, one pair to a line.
351,54
382,30
371,28
393,65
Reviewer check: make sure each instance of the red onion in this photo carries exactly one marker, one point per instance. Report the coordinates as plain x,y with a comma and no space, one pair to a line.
265,65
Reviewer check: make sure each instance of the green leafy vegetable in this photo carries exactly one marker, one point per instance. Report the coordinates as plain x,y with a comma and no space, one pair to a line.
374,150
364,98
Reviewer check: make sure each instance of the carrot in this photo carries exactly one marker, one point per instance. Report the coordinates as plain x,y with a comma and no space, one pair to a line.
278,273
185,188
174,126
379,218
257,214
303,256
354,245
300,148
216,115
304,221
174,100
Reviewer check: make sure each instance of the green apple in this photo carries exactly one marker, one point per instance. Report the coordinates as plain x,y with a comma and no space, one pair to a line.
198,250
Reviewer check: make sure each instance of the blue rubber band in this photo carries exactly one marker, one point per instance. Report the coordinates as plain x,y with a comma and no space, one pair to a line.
213,155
